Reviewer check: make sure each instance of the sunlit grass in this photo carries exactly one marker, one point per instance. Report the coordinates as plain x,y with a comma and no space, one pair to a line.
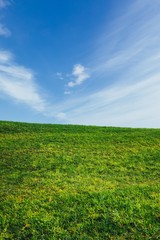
78,182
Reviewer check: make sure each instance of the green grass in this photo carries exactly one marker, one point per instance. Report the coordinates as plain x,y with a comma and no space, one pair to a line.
79,182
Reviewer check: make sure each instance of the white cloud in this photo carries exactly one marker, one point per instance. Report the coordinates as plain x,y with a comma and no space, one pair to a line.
4,31
80,74
18,83
4,3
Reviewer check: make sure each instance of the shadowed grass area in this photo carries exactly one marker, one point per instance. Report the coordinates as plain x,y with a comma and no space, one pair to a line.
79,182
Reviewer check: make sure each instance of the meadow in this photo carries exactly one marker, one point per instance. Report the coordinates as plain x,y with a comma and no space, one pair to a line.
79,182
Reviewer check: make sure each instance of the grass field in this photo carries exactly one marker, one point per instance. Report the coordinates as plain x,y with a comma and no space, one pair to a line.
79,182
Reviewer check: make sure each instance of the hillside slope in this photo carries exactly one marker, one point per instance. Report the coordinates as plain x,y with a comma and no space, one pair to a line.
79,182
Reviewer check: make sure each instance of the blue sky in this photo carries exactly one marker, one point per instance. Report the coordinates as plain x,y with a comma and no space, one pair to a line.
93,62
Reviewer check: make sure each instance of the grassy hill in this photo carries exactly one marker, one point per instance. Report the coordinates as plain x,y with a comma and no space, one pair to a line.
79,182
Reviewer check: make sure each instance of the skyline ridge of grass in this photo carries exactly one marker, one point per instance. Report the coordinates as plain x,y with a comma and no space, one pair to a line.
71,124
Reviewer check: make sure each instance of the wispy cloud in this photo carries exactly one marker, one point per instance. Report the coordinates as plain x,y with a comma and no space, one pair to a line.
125,85
5,56
122,104
79,74
67,92
4,31
4,3
131,38
60,116
60,75
125,73
18,83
